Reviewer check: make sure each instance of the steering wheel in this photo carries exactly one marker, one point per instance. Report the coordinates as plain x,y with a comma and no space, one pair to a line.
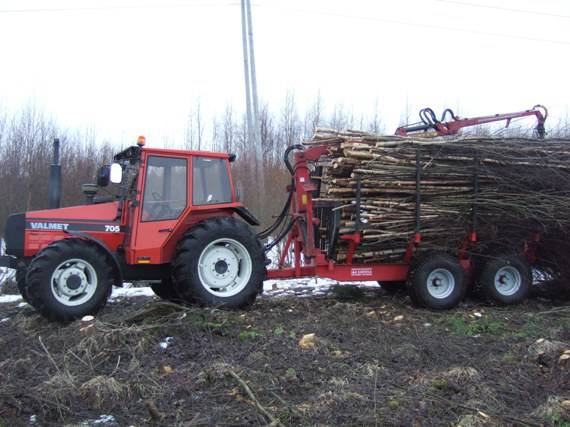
156,196
159,211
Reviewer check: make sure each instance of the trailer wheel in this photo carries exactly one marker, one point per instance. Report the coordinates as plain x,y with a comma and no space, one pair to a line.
506,279
69,279
220,262
436,281
165,290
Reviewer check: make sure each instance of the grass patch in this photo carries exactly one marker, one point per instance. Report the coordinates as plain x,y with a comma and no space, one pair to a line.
440,384
219,328
393,404
459,325
250,334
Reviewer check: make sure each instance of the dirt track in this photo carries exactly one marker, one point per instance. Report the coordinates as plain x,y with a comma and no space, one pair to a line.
374,360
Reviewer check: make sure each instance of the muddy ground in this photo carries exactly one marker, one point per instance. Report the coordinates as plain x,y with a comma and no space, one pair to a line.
373,360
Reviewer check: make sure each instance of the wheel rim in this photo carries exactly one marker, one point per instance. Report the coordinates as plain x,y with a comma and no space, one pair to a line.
224,267
440,283
508,280
74,282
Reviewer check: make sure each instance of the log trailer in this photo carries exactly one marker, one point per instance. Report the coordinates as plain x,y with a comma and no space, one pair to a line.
177,222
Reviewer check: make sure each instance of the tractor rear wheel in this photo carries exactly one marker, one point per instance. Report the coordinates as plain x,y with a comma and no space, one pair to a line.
220,262
165,290
436,281
505,279
69,279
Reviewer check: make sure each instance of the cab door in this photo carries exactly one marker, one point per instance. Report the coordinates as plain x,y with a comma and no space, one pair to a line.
164,191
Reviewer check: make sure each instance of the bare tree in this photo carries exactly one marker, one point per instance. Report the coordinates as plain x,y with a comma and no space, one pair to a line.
375,124
195,128
313,117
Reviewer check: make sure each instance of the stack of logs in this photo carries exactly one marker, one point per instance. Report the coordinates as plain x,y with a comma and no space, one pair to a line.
506,190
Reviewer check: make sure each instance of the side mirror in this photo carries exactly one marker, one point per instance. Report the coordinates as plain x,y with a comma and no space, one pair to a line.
116,173
103,176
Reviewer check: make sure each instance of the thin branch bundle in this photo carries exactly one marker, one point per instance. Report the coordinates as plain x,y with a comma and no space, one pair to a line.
504,189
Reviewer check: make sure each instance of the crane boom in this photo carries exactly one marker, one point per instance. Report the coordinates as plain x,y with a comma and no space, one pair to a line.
441,127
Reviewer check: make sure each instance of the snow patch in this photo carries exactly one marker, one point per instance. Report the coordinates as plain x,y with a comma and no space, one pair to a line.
5,299
309,286
131,292
102,420
6,274
4,320
164,344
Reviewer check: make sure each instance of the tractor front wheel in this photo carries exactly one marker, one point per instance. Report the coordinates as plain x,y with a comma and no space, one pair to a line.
220,263
69,279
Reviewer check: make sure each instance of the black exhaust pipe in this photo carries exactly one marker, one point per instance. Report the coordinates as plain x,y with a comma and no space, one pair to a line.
54,184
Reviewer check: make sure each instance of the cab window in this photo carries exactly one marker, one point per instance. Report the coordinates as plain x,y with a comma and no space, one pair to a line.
165,188
210,181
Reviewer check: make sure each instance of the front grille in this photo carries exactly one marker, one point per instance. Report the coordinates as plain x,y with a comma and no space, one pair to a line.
14,234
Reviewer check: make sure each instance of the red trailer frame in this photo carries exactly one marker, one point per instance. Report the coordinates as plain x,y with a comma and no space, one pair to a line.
311,261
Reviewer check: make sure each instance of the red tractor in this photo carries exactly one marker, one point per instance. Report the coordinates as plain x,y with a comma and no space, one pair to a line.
177,221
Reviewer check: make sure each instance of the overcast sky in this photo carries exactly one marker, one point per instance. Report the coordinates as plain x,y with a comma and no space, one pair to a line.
126,67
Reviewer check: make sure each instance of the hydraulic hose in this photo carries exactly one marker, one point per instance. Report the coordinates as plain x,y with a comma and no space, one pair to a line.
286,156
428,117
281,217
446,112
279,220
280,237
283,214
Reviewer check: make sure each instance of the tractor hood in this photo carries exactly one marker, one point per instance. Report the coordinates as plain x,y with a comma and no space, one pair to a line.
102,217
69,218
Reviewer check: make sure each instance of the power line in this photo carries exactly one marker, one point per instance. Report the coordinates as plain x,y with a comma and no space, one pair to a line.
125,7
421,25
506,9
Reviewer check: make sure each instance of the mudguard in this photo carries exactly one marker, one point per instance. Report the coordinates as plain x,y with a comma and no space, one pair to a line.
247,216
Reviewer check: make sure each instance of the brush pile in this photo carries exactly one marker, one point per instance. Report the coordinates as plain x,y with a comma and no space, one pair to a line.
504,189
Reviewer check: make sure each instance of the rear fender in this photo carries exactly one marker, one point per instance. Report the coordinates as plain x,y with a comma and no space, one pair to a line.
246,215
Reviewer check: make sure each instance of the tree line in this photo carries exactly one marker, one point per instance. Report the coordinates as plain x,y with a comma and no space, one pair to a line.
26,138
